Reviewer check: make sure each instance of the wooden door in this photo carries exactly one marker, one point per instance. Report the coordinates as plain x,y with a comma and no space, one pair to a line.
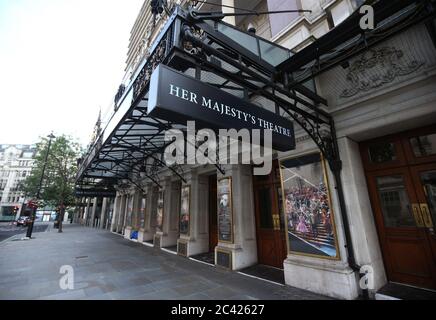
406,250
401,175
270,231
424,177
213,219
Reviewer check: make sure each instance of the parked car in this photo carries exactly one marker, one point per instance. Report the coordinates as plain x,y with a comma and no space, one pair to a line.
23,221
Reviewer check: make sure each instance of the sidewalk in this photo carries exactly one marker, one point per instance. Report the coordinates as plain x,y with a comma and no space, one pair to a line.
106,266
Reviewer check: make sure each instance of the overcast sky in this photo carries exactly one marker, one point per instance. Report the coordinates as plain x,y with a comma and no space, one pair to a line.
60,61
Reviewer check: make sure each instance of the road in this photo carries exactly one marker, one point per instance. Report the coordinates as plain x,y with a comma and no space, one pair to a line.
7,230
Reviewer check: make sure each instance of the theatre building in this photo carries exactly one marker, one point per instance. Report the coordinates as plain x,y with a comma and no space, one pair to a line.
349,205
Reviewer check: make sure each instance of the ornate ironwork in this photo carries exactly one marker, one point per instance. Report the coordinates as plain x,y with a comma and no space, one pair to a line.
121,90
153,60
188,46
315,121
153,169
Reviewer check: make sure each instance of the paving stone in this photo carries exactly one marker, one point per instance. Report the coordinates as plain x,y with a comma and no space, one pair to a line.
191,288
94,291
166,294
67,295
196,296
221,292
107,266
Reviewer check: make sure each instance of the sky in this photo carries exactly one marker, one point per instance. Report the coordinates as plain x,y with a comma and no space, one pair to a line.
60,62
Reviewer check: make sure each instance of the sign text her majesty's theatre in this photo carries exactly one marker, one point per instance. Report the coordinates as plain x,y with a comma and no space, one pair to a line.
229,111
176,97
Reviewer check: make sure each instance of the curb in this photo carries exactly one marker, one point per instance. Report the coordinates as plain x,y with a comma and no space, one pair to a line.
10,238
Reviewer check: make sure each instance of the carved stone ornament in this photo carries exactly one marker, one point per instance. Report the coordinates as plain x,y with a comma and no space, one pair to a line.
377,67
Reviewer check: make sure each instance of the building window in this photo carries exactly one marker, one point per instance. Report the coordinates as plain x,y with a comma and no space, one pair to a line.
280,21
382,152
395,202
424,145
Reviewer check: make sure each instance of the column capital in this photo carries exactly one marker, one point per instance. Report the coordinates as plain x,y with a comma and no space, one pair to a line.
190,176
165,182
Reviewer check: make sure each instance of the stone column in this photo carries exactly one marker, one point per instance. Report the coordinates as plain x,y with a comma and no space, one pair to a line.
127,225
146,233
104,208
94,210
115,214
243,250
123,222
136,208
122,210
76,214
132,198
109,213
98,212
170,226
79,212
141,214
362,225
85,215
197,241
79,216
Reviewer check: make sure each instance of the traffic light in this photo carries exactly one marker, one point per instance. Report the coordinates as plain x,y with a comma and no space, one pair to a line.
15,210
157,6
32,204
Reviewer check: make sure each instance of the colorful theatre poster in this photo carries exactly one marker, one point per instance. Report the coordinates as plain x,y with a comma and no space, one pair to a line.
307,206
185,210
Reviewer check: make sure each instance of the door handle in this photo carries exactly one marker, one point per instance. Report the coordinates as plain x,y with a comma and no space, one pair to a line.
276,221
417,215
426,215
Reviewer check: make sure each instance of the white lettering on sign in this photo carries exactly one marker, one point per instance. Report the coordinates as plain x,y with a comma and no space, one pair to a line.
226,110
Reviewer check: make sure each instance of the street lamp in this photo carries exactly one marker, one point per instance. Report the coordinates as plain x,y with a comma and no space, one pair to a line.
32,221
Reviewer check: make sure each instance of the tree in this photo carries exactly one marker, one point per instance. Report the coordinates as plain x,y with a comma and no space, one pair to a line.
60,172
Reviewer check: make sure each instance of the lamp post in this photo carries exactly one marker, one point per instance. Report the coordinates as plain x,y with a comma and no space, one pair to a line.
32,221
